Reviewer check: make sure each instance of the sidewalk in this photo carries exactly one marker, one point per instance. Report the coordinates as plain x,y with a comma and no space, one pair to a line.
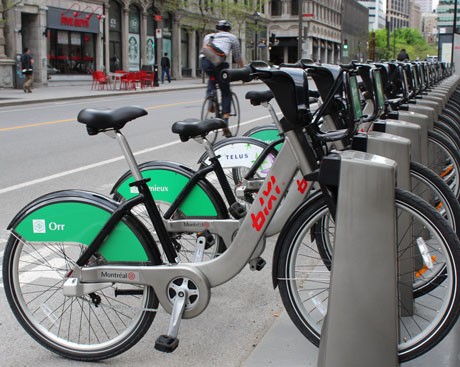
12,97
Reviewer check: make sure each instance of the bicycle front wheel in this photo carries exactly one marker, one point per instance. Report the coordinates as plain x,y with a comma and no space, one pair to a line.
303,273
95,326
444,160
234,119
210,110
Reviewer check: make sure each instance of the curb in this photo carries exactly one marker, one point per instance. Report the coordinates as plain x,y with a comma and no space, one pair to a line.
105,94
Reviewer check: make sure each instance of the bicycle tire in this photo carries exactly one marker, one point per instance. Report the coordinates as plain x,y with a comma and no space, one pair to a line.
235,115
444,160
296,249
426,184
166,182
210,110
96,326
448,132
266,133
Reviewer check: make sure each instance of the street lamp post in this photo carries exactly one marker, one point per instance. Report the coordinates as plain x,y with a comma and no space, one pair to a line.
256,17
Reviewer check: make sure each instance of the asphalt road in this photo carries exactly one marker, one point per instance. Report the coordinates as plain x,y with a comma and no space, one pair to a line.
44,149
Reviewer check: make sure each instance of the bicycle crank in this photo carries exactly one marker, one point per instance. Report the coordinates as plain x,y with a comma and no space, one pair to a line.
182,293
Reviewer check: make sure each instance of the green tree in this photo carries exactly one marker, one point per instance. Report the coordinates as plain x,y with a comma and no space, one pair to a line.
407,38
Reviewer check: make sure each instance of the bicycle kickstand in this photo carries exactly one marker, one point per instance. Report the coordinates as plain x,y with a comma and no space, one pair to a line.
168,343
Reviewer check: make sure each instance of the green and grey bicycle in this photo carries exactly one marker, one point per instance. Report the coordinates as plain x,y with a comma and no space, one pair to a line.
85,277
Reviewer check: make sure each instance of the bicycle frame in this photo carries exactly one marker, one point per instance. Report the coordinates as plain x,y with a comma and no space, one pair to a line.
210,273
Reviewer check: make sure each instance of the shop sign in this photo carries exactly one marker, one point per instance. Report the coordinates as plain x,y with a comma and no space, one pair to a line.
74,22
64,19
150,50
133,52
158,33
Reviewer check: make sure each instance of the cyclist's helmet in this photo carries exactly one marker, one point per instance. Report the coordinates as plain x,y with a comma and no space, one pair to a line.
224,25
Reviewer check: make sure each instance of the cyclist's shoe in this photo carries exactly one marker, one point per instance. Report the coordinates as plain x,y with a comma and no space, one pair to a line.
227,132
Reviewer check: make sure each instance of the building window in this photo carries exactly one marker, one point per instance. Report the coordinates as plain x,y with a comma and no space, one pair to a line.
276,7
72,52
115,36
184,48
295,7
134,46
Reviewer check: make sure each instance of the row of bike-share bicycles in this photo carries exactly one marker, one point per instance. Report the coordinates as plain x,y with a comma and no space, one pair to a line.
169,234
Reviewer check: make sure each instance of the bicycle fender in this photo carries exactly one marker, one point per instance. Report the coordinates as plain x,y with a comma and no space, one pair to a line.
266,133
76,216
240,152
167,179
281,237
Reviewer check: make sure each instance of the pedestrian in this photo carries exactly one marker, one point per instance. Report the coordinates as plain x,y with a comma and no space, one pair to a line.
213,58
165,67
403,55
26,65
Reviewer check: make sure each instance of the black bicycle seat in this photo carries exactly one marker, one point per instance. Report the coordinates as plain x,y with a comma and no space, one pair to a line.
98,120
190,128
258,97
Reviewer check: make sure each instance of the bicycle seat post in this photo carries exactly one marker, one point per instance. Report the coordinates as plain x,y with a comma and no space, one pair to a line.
141,184
207,146
273,114
129,156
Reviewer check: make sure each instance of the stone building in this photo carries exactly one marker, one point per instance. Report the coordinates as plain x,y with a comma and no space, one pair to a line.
73,38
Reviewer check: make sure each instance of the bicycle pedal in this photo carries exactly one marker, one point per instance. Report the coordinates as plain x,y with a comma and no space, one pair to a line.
237,210
257,264
210,240
166,343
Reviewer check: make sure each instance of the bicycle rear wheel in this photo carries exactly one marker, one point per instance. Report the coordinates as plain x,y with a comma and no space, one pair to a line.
303,273
95,326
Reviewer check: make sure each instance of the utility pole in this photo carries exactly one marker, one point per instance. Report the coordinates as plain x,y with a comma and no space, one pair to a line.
300,38
454,30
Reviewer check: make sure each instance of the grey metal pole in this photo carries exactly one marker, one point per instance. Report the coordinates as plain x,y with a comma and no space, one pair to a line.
299,41
454,29
255,44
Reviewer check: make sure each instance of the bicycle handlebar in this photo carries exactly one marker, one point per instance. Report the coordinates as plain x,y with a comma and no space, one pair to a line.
290,89
234,75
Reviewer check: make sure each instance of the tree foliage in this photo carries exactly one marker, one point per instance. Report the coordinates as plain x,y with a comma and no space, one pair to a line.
407,38
204,13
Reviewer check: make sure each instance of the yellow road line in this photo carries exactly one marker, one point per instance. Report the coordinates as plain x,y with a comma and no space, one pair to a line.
172,104
69,120
35,125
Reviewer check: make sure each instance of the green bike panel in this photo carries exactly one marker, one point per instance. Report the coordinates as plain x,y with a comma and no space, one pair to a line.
166,185
77,222
267,136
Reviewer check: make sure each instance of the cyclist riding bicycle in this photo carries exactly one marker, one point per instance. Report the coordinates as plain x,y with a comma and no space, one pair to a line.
213,58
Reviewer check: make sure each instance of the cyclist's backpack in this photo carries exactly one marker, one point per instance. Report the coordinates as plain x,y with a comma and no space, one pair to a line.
213,53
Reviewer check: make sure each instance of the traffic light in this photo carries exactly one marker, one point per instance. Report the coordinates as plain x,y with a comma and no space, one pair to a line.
345,44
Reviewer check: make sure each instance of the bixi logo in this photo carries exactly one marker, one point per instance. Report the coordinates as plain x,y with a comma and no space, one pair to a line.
40,226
